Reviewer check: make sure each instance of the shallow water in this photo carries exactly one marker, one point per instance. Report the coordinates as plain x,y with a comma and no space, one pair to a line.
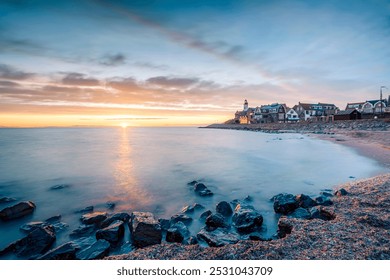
147,169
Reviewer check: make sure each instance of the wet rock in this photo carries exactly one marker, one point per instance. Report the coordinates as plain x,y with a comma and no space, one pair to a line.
112,233
165,224
285,203
177,233
35,243
246,218
97,250
341,192
66,251
181,218
192,183
224,209
205,214
256,236
54,219
301,213
248,199
284,227
319,212
192,240
110,205
122,216
272,199
191,208
326,194
202,190
83,230
7,199
145,229
29,227
59,187
85,242
17,211
87,209
216,221
206,193
305,201
93,218
218,238
126,248
324,200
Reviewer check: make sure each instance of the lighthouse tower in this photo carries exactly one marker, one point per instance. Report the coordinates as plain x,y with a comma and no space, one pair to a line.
245,105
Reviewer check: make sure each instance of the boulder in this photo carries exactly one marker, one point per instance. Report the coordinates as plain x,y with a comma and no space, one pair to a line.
84,242
7,199
191,208
93,218
65,251
29,227
301,213
202,190
324,200
59,187
113,233
83,230
284,227
35,243
145,229
192,183
181,218
224,209
165,224
110,205
192,240
54,219
319,212
97,250
246,218
285,203
217,238
256,236
326,194
216,221
205,214
206,193
305,201
87,209
17,211
341,192
177,233
122,216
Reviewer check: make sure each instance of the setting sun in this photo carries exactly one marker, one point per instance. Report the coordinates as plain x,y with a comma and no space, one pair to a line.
124,125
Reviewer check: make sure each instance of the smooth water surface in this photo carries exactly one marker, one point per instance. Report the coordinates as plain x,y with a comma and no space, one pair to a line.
147,169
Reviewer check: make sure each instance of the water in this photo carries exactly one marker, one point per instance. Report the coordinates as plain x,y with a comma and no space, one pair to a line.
147,169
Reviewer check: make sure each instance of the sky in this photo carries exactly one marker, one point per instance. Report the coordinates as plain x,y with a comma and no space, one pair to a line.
184,62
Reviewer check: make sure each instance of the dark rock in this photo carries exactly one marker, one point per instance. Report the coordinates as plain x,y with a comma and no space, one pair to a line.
112,233
165,224
301,213
224,209
54,219
35,243
248,199
305,201
217,238
198,187
326,194
66,251
319,212
93,218
145,229
284,227
85,242
60,226
122,216
192,240
110,205
181,218
246,218
285,203
7,199
324,200
191,208
206,193
87,209
192,183
98,250
177,233
256,236
126,248
216,221
272,199
17,211
205,214
341,192
29,227
81,231
60,187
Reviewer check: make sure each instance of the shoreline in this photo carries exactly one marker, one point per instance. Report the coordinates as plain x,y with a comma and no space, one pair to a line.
360,229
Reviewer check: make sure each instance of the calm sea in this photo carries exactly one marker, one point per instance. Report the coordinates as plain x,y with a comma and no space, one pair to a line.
147,169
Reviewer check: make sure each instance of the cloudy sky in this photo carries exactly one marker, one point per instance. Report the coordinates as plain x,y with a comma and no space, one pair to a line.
184,62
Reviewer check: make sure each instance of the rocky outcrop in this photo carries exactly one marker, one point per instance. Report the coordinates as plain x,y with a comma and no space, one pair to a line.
319,212
29,227
87,209
122,216
202,190
35,243
285,203
189,209
224,209
113,233
145,229
187,220
93,218
66,251
301,213
177,233
218,237
97,250
305,201
246,218
341,192
17,211
324,200
82,231
216,221
205,214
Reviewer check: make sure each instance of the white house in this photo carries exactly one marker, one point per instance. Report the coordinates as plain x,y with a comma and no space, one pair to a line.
292,116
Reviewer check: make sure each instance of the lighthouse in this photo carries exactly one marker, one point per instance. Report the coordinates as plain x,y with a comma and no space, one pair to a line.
246,105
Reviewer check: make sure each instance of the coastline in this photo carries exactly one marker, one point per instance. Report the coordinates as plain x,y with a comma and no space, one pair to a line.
360,229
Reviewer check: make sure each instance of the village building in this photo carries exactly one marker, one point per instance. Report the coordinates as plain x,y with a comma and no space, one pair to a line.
371,108
292,115
316,112
348,114
270,113
245,116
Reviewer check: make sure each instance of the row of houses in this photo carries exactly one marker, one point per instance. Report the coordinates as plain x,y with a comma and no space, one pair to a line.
325,112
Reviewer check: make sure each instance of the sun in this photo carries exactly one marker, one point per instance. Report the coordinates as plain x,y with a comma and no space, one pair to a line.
124,125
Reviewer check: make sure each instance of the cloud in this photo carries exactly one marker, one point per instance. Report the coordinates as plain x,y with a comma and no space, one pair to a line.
79,79
113,59
151,65
8,84
172,82
9,73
